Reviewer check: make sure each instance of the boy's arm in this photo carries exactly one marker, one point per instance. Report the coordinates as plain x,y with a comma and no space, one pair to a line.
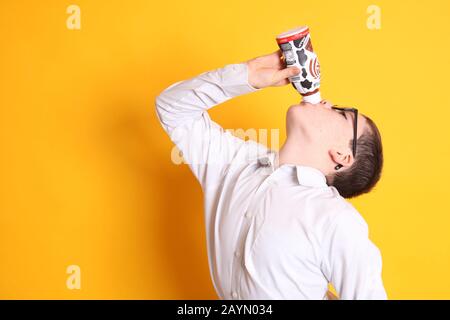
352,262
182,110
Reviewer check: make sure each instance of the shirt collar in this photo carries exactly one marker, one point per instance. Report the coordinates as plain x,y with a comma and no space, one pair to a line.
306,176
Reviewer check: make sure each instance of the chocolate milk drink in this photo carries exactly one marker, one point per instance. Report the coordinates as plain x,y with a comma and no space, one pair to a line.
298,51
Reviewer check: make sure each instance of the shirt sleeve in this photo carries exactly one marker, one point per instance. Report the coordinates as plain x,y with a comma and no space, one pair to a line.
182,111
353,263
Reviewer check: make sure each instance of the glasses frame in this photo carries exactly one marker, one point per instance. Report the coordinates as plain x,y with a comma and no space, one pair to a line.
355,125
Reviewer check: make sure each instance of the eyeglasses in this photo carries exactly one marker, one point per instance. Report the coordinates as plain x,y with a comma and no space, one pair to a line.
355,125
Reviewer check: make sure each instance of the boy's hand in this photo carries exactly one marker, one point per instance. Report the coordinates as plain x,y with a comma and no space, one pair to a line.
269,71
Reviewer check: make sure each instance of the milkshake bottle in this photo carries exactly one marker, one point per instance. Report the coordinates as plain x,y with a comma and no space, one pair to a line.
297,50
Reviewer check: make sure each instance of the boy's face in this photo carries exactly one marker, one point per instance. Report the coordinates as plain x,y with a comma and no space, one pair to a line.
323,128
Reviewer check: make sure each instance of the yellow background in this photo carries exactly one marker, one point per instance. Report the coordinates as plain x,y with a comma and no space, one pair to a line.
86,176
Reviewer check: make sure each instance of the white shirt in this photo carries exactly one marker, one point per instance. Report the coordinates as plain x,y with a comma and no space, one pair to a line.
272,232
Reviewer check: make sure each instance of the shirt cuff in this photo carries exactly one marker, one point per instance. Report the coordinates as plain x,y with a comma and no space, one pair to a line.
235,79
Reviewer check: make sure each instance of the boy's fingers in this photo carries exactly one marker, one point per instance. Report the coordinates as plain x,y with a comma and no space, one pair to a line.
274,57
282,83
286,73
280,55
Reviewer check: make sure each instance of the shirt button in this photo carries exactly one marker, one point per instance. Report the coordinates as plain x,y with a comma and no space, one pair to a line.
234,295
237,254
248,214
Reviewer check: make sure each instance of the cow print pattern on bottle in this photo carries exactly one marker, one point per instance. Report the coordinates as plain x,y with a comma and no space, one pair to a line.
304,73
306,84
299,42
302,57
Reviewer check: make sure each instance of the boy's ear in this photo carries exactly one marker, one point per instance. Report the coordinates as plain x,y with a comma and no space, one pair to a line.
342,157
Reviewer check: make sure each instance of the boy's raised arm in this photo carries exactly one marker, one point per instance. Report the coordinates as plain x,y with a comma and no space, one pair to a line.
182,110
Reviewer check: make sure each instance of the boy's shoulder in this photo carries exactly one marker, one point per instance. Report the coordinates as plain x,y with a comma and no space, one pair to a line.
331,209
